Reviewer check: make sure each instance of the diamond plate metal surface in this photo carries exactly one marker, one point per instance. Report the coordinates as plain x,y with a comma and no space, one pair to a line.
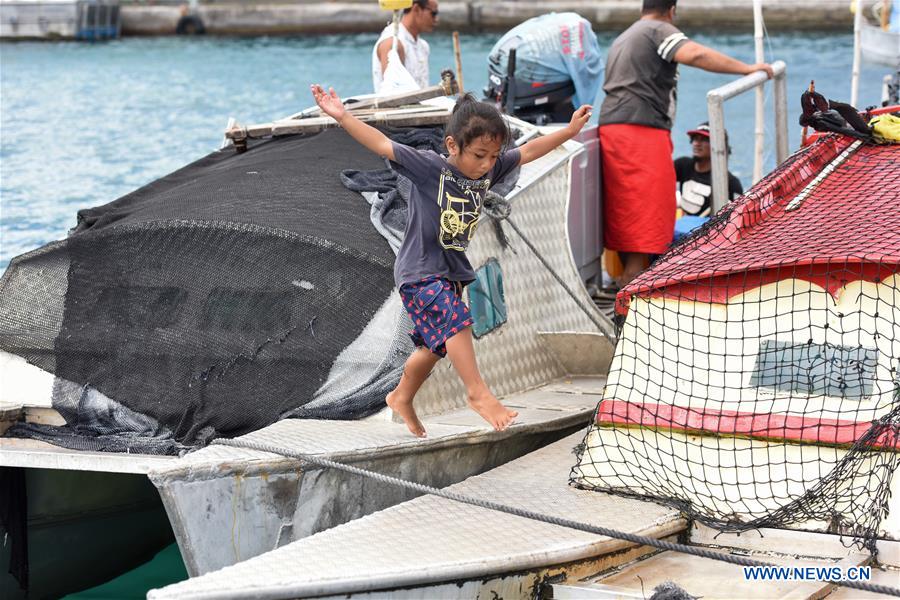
473,420
512,358
430,538
550,399
578,385
315,436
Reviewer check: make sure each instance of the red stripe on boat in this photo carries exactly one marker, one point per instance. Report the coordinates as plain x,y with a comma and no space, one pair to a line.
745,424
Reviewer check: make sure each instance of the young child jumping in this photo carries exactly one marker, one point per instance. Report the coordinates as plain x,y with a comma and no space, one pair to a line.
445,204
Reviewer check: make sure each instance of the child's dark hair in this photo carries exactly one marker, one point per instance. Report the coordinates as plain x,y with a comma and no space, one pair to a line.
472,119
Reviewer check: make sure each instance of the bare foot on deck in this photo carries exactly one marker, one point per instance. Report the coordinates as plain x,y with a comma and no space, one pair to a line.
492,411
404,408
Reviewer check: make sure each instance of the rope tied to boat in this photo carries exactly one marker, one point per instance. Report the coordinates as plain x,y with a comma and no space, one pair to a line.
498,209
536,516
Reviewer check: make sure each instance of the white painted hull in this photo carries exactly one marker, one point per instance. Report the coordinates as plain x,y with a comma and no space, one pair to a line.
879,46
720,473
701,357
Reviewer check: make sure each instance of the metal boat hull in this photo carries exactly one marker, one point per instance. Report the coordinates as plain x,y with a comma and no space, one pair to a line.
245,512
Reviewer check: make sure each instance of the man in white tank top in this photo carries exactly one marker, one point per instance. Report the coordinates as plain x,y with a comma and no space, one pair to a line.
413,50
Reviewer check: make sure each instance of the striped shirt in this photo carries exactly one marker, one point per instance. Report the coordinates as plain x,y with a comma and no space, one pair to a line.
641,75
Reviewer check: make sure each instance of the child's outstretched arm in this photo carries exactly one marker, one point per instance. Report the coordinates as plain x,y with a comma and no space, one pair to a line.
366,135
537,148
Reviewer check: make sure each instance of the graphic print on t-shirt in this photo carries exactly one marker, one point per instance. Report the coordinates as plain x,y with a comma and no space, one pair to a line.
459,216
695,197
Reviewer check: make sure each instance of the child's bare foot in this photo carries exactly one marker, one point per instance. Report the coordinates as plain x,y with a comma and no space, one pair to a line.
404,408
492,411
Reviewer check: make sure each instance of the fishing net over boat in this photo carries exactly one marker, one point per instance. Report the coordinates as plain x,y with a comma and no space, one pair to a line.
755,382
238,290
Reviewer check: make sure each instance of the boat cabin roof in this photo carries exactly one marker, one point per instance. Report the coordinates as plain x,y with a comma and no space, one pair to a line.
829,215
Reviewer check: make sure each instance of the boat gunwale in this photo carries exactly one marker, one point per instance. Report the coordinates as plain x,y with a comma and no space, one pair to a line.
216,467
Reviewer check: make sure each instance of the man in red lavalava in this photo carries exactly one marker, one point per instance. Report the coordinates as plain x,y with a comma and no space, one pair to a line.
635,120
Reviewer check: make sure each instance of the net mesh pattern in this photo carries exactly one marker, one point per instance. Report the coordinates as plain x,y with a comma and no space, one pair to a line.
213,301
755,382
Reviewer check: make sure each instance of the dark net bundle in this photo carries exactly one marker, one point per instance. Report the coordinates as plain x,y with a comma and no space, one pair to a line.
756,376
238,290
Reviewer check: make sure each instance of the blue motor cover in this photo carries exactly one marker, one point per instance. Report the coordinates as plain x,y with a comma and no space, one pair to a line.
553,48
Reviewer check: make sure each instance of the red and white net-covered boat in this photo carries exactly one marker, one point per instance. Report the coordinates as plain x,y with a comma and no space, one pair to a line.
755,382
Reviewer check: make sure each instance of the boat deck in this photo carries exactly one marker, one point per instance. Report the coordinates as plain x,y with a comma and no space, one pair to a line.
430,540
563,403
35,454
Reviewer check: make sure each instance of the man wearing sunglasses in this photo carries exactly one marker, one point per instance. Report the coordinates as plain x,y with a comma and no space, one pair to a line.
420,18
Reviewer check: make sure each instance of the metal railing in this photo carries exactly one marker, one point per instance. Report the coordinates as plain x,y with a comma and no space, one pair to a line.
715,100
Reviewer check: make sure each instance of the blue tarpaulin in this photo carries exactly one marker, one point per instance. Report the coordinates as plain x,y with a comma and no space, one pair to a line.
553,48
686,224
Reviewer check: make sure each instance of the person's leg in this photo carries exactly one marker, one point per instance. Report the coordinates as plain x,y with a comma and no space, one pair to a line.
632,264
415,372
638,194
461,352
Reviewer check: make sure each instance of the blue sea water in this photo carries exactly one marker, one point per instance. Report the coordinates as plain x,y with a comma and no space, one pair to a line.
82,124
164,569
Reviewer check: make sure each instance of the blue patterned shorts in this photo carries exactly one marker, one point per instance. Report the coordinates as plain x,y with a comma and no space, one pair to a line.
437,311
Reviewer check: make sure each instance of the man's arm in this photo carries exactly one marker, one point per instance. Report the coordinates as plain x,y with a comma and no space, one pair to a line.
365,134
698,55
384,47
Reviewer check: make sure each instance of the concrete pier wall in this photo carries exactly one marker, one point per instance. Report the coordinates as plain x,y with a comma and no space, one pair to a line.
330,16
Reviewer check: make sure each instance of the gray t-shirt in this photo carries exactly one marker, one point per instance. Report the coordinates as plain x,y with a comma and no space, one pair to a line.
444,210
641,75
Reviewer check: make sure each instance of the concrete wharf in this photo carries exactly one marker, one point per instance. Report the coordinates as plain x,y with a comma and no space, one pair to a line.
272,17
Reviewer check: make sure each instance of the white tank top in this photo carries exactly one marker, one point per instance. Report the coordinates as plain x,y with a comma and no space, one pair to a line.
415,56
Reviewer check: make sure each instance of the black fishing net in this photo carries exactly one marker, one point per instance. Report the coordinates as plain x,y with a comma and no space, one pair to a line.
238,290
756,381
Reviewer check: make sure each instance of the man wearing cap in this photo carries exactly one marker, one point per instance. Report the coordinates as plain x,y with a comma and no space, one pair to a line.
635,121
413,49
694,175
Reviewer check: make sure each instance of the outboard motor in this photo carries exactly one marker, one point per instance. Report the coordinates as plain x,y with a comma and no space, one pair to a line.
541,69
